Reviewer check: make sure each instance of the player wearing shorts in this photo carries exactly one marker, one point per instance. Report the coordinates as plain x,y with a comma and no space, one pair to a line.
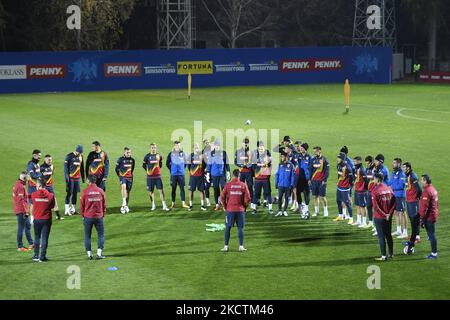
344,185
97,164
320,169
124,170
196,166
152,165
73,172
360,194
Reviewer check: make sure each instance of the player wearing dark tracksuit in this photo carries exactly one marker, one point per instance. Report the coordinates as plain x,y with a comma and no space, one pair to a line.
73,172
206,156
284,182
217,170
34,173
413,193
344,185
304,161
97,164
242,159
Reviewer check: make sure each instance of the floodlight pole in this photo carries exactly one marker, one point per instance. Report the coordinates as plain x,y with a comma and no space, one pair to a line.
386,35
176,24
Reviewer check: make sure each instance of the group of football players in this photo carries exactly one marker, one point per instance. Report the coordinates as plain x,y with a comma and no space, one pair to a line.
299,174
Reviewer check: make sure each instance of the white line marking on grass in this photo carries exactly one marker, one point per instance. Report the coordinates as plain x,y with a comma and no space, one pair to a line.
398,111
400,114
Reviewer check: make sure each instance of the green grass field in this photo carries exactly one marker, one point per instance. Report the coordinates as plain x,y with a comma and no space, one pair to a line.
171,256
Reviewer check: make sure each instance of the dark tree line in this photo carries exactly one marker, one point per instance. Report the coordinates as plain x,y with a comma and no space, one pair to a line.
27,25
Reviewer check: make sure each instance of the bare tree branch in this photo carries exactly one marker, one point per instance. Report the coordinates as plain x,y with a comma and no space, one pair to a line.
216,21
224,8
239,17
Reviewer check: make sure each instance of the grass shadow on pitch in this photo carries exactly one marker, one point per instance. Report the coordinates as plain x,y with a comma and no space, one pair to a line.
324,263
156,253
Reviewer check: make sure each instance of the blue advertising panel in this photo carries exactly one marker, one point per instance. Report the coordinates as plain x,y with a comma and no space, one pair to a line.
145,69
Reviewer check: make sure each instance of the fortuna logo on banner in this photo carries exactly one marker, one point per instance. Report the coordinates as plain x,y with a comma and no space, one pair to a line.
13,72
195,67
271,66
297,65
168,68
232,67
46,71
131,69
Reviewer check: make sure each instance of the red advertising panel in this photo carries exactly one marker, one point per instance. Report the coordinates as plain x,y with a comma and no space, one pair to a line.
299,65
46,71
128,69
435,77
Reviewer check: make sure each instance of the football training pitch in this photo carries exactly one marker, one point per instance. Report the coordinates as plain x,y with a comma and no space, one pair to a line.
170,255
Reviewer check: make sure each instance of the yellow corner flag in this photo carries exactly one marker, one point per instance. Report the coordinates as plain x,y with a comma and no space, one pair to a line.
189,85
347,95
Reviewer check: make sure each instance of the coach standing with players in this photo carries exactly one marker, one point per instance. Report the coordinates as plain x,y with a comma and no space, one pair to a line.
93,209
20,201
429,212
413,194
43,203
97,164
384,205
235,199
